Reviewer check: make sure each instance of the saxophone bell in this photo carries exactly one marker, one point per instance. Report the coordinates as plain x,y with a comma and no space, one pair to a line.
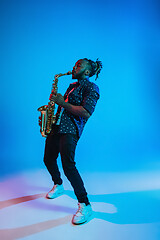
48,116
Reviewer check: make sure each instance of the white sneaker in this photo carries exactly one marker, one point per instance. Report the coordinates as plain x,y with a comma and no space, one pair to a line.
83,213
56,191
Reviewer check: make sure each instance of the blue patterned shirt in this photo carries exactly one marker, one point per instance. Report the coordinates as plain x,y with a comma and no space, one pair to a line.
82,93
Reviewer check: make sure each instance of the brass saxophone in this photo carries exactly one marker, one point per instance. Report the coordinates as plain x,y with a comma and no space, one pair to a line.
48,116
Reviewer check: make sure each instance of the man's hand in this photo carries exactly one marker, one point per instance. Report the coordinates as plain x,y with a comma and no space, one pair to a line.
76,110
58,99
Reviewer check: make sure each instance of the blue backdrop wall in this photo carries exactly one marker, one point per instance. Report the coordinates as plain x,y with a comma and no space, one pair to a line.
42,38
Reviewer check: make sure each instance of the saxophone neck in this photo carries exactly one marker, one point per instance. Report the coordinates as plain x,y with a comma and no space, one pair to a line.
62,74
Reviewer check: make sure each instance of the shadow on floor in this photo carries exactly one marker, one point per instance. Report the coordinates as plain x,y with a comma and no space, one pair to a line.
33,204
14,201
21,232
132,207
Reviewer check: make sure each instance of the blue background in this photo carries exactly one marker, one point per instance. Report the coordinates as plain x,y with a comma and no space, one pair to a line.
42,38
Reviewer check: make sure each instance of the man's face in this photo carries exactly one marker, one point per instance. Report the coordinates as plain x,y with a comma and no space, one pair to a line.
79,69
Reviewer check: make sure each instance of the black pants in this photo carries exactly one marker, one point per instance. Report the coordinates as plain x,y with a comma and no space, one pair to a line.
65,144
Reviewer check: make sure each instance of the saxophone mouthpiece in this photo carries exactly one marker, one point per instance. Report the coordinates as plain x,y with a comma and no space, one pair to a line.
70,72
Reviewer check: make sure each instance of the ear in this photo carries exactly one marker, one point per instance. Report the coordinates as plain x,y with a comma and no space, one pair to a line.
87,72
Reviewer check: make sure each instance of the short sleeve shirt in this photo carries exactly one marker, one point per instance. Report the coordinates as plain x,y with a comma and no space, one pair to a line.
82,93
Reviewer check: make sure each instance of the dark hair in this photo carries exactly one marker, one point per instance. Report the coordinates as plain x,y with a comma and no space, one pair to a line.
95,67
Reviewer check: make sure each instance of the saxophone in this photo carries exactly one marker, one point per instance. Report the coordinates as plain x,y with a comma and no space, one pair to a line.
48,116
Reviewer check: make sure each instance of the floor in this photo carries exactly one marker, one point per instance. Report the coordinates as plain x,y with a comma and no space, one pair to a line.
126,206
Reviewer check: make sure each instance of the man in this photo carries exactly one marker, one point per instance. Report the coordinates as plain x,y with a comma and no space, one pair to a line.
74,110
